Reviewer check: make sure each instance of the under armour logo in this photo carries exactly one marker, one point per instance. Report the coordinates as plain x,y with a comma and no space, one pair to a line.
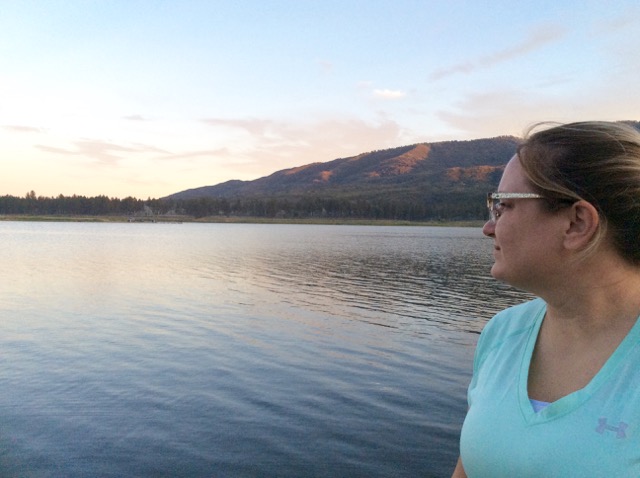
602,427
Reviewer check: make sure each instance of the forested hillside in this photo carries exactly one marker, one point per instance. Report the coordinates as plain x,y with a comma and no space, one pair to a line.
447,180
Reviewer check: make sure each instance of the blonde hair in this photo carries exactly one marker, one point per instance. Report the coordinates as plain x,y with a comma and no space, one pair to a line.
595,161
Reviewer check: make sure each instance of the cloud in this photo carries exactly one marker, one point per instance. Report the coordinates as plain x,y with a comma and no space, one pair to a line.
253,126
220,152
536,39
326,67
53,149
618,38
629,19
107,153
22,129
145,148
135,118
389,94
239,148
104,152
366,88
510,111
275,145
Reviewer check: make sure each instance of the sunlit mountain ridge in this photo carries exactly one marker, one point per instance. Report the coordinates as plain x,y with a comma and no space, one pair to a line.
439,180
418,173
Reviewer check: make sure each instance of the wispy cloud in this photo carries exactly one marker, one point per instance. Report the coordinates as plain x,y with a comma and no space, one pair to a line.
364,85
618,37
220,152
22,129
389,94
253,126
275,145
326,67
367,88
512,111
616,24
135,118
479,114
252,146
536,39
105,153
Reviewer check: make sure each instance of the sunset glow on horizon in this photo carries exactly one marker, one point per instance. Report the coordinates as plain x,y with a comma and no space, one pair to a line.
148,98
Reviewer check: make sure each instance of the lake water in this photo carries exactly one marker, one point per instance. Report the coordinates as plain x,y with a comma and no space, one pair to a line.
229,350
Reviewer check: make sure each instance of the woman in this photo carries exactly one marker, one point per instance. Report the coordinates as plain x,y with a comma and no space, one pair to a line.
556,381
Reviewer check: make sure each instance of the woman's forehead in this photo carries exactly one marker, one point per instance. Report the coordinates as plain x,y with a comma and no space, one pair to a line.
513,177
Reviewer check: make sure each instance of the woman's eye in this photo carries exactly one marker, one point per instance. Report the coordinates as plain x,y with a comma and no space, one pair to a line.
499,208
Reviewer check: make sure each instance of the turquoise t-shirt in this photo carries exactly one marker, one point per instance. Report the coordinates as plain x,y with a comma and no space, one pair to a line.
593,432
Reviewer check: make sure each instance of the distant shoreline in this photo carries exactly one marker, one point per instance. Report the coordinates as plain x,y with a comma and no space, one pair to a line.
237,220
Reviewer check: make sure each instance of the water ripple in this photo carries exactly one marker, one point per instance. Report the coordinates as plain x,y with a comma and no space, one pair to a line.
238,350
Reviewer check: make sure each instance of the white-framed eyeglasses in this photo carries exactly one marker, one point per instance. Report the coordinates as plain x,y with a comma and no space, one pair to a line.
494,199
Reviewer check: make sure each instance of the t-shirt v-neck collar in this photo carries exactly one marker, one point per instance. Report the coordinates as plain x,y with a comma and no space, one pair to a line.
572,401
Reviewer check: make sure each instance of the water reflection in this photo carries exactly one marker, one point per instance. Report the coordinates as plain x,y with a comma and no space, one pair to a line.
425,280
238,350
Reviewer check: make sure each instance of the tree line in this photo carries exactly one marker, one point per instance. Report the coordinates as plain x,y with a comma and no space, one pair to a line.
459,206
75,205
455,208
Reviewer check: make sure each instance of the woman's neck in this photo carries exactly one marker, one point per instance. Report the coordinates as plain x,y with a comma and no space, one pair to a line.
601,294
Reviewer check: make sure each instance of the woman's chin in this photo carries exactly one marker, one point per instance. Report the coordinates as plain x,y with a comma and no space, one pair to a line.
497,272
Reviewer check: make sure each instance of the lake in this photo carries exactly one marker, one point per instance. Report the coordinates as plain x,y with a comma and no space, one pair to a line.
233,350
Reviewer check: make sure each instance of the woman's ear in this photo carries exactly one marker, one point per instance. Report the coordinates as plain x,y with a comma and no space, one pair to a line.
583,223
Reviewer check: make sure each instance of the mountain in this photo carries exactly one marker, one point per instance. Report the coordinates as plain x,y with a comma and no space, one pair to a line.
441,180
407,170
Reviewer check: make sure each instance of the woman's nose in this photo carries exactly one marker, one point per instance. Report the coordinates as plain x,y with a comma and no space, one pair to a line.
489,228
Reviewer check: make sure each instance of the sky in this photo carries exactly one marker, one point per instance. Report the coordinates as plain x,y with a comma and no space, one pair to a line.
146,98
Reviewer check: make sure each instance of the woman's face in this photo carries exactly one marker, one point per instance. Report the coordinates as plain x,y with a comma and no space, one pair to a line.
526,237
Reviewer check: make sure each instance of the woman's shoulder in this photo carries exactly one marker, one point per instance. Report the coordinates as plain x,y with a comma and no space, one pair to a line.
509,328
515,320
